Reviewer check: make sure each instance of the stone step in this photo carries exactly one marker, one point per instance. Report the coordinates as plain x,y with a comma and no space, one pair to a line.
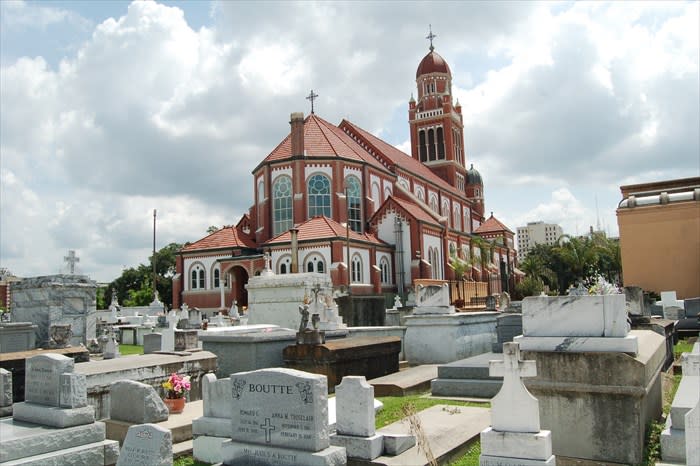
179,424
407,382
403,365
97,454
475,388
475,367
450,430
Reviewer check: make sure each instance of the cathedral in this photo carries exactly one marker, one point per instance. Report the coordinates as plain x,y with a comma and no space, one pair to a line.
338,200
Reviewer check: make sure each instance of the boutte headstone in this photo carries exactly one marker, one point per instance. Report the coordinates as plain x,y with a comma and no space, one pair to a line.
147,444
5,393
280,416
355,419
53,394
514,437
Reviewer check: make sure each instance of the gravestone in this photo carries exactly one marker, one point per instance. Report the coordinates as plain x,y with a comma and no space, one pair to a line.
355,430
5,393
152,342
508,326
433,297
634,296
147,444
136,402
674,313
491,303
514,437
17,336
53,394
111,349
185,340
214,426
589,361
280,416
692,435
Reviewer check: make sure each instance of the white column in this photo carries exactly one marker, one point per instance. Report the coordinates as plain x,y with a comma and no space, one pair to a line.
222,283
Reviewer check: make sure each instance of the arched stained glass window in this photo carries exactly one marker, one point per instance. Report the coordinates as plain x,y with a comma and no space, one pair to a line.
282,205
319,195
354,203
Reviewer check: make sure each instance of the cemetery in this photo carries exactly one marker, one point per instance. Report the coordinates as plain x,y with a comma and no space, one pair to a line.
301,387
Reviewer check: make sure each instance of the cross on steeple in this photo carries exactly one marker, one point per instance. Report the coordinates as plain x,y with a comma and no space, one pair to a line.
311,97
71,258
431,36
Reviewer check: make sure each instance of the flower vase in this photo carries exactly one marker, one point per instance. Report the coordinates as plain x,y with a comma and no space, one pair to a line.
175,405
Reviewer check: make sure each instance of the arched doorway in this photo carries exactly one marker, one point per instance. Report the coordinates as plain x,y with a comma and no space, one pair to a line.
240,279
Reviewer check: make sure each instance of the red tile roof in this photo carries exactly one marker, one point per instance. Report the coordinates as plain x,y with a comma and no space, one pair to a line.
394,156
417,211
318,228
322,139
227,237
492,225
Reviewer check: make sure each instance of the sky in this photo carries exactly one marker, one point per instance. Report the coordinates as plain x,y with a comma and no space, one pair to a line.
111,109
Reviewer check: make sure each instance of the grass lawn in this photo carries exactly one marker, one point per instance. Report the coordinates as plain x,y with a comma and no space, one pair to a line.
130,349
683,346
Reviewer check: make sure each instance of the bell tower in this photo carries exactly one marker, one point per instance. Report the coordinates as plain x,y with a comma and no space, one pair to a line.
436,125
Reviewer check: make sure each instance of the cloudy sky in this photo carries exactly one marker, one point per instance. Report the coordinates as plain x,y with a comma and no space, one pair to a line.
112,109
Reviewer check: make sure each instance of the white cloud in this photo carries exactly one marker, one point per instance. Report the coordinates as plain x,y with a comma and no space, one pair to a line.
565,102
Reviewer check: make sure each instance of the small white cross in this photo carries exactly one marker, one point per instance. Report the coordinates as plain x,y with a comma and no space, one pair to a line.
514,409
71,258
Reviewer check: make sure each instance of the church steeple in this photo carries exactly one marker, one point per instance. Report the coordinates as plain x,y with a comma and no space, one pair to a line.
437,128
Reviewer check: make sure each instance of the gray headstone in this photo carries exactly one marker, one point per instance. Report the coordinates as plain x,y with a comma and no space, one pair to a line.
151,342
43,377
674,312
634,296
17,336
73,391
354,399
5,388
132,401
692,435
216,396
147,444
280,407
692,307
111,350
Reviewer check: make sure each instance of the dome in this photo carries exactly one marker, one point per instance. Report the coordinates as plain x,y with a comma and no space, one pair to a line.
473,176
433,63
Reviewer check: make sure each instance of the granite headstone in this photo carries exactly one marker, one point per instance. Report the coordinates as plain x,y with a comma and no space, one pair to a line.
147,444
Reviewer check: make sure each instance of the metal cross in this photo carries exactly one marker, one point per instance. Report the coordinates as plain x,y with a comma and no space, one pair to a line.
268,428
431,36
311,97
71,258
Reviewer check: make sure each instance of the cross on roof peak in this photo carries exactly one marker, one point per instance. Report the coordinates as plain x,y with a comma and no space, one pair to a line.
312,97
431,36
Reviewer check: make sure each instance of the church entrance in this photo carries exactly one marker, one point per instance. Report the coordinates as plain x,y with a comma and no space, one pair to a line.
240,279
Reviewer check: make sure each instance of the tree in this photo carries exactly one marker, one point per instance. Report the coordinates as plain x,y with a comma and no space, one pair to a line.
212,229
135,285
460,267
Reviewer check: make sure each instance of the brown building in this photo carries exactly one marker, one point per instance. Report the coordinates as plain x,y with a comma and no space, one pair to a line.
660,236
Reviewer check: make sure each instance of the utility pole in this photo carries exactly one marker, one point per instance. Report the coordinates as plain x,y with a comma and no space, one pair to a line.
155,289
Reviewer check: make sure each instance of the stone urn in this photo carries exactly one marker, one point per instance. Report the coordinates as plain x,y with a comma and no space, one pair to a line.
60,336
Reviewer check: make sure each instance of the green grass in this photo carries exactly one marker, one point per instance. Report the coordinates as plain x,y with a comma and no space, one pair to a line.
393,407
471,458
188,461
130,349
682,347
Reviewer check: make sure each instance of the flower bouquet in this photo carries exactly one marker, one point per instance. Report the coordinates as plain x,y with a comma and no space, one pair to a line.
176,388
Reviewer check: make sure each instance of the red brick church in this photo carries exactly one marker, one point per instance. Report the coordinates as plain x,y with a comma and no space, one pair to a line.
338,200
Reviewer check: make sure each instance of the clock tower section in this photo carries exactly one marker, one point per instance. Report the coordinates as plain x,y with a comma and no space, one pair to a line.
436,126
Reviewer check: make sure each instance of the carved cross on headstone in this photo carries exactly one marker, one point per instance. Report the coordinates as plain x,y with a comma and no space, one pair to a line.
514,409
72,259
311,97
268,428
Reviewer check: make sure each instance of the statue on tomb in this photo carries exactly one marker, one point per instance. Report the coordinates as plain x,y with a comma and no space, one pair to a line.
304,311
315,319
397,302
233,313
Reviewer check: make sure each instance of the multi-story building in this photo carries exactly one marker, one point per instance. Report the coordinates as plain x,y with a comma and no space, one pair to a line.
660,236
339,200
536,233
